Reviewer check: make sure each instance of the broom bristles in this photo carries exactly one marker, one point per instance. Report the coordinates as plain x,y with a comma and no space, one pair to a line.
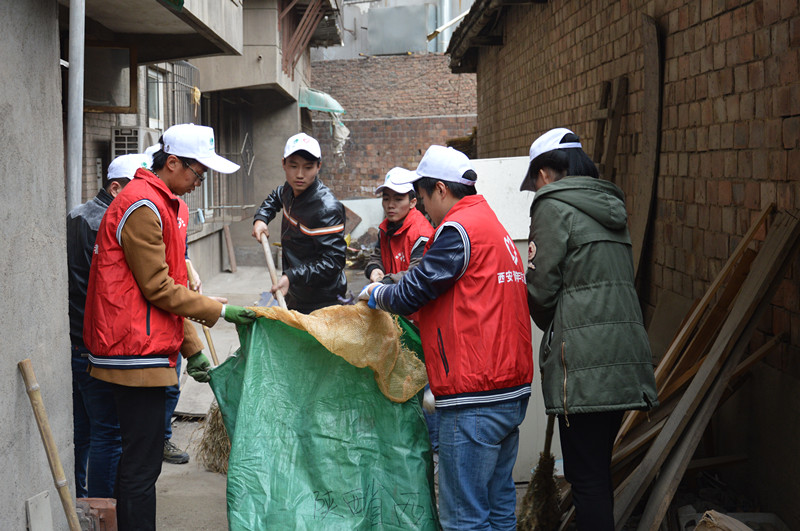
540,510
215,446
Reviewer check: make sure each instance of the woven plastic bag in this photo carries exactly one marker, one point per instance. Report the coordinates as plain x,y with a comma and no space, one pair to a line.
315,442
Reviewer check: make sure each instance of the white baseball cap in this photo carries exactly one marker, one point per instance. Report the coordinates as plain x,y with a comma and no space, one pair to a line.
196,142
125,166
302,142
392,178
444,164
549,141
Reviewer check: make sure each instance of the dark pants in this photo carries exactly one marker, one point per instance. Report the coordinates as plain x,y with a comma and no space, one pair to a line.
586,446
95,431
141,421
173,394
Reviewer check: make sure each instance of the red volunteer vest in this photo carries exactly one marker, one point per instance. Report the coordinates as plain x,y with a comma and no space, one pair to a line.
122,329
477,336
396,250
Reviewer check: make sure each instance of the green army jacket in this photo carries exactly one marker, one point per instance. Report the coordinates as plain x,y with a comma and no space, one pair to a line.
595,355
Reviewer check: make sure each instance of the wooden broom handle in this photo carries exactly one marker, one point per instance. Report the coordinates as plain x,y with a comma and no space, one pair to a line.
50,448
273,274
206,331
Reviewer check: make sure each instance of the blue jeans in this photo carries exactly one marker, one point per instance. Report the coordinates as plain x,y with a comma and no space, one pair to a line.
96,431
173,394
477,451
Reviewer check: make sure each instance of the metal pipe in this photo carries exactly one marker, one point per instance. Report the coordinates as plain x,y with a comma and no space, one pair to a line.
77,30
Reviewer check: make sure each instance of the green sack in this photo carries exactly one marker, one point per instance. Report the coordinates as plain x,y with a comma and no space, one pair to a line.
314,443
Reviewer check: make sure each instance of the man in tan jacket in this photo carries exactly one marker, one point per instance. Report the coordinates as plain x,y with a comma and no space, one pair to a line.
137,300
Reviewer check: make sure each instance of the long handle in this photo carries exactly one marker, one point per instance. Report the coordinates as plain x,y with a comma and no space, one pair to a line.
35,396
273,274
548,434
206,331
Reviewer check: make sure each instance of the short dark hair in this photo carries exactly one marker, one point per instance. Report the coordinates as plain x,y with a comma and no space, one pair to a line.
411,194
160,158
457,189
574,161
107,182
306,155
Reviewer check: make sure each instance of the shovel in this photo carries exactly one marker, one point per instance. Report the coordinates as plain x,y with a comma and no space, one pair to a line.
273,274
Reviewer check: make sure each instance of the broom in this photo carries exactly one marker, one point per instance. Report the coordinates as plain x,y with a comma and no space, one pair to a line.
540,511
214,444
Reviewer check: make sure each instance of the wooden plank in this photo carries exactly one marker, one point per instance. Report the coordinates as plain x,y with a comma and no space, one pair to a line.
715,462
672,354
600,124
607,167
710,327
226,230
772,258
674,468
758,355
644,191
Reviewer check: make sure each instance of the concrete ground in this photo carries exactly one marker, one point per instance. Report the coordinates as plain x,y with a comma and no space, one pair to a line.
189,497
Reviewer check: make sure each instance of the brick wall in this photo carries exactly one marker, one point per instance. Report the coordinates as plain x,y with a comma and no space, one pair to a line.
396,107
730,137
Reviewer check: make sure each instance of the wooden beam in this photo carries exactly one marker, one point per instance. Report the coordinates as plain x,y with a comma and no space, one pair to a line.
644,189
765,276
685,334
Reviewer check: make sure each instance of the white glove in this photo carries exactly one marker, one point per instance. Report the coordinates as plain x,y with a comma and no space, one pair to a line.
428,401
364,295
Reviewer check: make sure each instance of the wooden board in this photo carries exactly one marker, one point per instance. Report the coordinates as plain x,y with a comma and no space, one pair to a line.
687,331
774,255
651,138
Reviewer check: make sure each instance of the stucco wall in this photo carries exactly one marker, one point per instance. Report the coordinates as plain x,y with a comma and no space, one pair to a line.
729,146
33,257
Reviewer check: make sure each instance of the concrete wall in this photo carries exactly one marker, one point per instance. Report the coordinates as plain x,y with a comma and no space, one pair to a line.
396,108
33,257
730,137
260,62
274,121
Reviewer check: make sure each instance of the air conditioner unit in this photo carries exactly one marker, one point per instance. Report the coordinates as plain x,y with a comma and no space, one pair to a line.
127,140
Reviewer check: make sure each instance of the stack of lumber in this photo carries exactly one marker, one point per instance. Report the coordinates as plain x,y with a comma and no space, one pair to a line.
702,365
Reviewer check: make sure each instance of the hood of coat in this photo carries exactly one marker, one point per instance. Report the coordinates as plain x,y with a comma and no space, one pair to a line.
601,200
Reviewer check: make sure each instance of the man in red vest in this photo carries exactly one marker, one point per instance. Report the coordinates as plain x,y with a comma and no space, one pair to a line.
469,290
137,300
402,235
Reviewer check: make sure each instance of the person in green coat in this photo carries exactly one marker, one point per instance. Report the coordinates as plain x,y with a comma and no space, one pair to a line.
594,359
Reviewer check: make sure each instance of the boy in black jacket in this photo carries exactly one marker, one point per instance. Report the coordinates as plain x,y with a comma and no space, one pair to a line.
312,230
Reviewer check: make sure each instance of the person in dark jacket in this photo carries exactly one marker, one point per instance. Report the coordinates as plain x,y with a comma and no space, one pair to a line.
595,357
97,442
312,230
469,289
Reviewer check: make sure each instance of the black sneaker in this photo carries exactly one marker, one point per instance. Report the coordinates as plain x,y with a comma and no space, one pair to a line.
173,454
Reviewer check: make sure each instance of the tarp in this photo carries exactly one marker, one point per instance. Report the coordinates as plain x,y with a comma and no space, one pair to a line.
315,442
316,100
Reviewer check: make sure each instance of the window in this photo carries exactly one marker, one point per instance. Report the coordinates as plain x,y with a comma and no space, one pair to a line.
155,99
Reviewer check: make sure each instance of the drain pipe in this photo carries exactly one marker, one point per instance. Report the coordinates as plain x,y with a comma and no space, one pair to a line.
77,30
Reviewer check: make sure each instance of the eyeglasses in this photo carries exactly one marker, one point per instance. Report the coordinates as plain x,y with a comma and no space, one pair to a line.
201,178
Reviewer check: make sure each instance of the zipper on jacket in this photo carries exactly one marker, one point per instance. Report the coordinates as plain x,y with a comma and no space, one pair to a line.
564,364
441,352
148,318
